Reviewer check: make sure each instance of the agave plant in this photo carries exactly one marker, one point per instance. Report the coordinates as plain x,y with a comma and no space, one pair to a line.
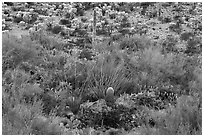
74,104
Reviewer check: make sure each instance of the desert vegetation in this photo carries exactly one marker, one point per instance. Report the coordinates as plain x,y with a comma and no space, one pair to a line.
103,68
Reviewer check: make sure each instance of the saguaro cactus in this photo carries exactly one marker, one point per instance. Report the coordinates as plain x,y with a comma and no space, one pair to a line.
94,27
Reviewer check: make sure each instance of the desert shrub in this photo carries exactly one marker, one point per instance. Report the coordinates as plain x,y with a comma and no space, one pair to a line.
135,43
80,12
146,64
76,72
195,86
58,59
8,129
152,68
49,102
125,22
64,22
47,41
185,114
18,119
171,74
17,19
6,26
79,32
186,36
116,36
9,3
69,15
106,72
182,119
23,92
92,113
44,40
34,17
30,92
194,46
41,12
125,113
17,51
185,118
46,126
87,54
157,85
137,110
17,76
56,29
169,43
176,27
107,45
189,112
14,91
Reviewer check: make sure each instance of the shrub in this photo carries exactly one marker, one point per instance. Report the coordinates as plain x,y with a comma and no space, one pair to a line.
18,120
87,54
186,36
49,102
29,92
65,22
135,43
76,72
152,68
156,85
56,29
125,22
92,113
169,43
125,113
17,19
146,66
9,3
194,46
187,106
195,86
45,126
47,41
106,72
18,51
34,17
185,118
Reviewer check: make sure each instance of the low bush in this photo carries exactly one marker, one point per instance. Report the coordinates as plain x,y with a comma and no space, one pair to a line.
18,119
56,81
56,29
135,43
107,71
17,51
182,119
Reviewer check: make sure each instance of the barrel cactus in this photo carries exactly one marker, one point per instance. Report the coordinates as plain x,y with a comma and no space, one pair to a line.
110,95
110,92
